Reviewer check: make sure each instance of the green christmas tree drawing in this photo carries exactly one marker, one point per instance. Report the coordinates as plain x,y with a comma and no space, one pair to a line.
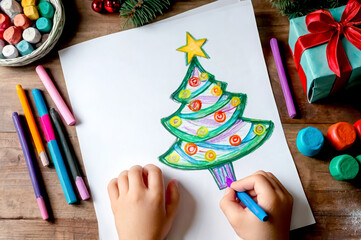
209,125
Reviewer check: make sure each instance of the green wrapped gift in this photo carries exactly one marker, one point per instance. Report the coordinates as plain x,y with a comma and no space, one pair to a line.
326,45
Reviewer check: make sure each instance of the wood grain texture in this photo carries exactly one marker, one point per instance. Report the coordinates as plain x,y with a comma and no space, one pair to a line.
335,204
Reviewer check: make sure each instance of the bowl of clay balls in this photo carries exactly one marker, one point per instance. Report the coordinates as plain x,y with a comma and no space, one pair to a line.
29,29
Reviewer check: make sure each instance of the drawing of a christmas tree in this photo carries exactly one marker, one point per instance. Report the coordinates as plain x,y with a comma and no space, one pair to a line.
209,125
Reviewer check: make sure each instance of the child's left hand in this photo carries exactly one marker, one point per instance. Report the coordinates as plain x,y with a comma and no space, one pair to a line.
142,208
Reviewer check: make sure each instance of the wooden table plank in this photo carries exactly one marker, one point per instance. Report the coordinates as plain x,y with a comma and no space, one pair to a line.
69,229
335,204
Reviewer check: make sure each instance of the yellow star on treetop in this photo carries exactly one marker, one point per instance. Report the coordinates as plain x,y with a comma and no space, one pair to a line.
193,48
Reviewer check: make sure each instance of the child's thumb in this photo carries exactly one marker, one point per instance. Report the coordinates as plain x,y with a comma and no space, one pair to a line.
172,199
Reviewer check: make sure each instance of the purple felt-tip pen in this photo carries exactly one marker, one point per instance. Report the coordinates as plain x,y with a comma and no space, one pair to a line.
282,75
29,163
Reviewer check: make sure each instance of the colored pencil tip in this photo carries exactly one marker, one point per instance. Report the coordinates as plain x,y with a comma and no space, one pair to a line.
228,181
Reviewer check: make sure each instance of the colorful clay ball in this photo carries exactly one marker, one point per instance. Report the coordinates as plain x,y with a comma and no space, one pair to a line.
26,3
358,158
10,51
5,22
2,45
24,48
44,24
344,167
310,141
22,21
32,35
19,36
31,12
341,135
10,8
46,9
12,35
357,126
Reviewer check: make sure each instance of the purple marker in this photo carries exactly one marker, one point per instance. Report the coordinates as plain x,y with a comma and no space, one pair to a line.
29,163
281,74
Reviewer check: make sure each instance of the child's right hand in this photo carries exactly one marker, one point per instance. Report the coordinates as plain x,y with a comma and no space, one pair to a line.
271,196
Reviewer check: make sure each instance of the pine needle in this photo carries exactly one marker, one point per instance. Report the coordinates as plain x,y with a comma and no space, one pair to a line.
298,8
140,12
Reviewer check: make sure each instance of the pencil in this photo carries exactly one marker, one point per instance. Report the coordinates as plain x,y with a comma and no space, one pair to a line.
32,125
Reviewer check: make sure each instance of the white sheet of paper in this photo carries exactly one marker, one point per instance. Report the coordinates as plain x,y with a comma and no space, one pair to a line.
120,87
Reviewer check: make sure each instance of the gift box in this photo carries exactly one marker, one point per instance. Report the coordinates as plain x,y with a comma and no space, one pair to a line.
326,46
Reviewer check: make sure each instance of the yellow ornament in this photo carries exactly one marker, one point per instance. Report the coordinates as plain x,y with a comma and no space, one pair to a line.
173,157
259,129
193,48
210,155
184,94
202,132
235,101
175,121
216,91
204,76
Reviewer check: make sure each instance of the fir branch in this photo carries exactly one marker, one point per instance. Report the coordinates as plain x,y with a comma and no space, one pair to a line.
140,12
298,8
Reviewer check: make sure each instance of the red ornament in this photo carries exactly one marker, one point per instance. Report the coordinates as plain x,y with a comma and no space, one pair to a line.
235,140
191,148
220,116
98,5
112,5
194,82
195,105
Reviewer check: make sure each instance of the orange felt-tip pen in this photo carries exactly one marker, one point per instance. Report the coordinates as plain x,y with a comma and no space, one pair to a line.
32,125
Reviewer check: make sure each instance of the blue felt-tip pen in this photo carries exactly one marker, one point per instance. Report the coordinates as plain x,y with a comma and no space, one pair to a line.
250,204
54,148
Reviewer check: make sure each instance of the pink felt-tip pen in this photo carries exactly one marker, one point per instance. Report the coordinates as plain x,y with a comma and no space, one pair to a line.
283,79
54,94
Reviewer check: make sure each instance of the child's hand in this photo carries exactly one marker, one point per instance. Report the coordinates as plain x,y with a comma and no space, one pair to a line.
271,196
141,207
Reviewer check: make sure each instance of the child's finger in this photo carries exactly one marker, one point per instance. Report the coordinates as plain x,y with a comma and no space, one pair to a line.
230,206
258,183
123,182
252,193
135,176
278,182
113,191
274,183
172,199
155,178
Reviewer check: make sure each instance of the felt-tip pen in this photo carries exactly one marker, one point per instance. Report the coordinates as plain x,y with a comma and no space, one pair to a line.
250,204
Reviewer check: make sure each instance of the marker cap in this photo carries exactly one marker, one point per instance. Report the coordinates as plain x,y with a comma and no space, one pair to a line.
42,207
344,167
84,194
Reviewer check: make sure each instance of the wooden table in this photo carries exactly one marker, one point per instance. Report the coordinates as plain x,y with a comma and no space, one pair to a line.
336,205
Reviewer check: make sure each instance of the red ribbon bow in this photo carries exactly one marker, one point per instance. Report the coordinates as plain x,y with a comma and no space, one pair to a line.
324,29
